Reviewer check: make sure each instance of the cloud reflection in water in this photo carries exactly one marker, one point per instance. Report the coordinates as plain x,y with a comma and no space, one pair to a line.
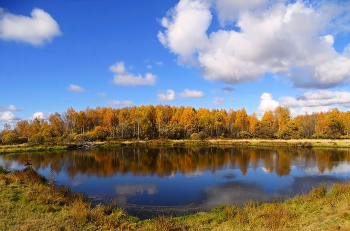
127,190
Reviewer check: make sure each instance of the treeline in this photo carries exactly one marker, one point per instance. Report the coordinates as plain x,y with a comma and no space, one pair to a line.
164,121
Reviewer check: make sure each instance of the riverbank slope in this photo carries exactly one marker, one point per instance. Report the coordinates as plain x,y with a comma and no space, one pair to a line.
302,143
30,202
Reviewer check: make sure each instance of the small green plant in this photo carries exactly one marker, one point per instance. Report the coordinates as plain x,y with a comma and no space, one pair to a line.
2,170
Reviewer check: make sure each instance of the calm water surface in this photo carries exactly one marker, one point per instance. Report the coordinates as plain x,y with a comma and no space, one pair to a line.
202,177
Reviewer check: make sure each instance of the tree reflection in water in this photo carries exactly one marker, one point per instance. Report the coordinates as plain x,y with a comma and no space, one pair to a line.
165,162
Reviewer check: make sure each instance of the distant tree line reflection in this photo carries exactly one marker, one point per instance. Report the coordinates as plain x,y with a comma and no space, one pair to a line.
164,162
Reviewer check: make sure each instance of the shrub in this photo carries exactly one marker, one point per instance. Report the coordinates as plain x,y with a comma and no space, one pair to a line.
265,131
10,138
82,138
244,135
35,140
91,136
198,136
174,131
2,170
67,139
100,133
319,136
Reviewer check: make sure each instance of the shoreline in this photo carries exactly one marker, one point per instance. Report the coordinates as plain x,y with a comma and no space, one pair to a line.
300,143
29,201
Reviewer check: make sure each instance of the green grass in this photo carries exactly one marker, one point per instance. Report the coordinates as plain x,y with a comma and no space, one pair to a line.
29,202
23,148
302,143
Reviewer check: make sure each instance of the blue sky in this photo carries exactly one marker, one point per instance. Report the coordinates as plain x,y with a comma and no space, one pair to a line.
255,54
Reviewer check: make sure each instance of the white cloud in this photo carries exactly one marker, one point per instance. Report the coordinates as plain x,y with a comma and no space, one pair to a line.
10,108
267,103
41,115
292,41
308,110
149,66
192,94
122,77
308,102
102,94
318,98
75,88
7,116
119,103
229,10
159,63
36,30
185,28
218,100
168,96
316,101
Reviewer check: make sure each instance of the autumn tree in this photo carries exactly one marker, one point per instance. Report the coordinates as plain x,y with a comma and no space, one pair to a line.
282,116
187,119
253,123
346,119
22,128
56,125
242,120
71,120
219,122
267,128
159,119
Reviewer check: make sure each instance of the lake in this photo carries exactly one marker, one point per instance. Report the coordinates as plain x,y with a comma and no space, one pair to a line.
186,180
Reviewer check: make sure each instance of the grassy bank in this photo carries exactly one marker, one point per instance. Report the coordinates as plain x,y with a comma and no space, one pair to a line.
29,202
304,143
24,148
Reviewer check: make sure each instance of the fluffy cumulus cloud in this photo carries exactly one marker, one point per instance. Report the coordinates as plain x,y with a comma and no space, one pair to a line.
308,102
122,77
229,10
75,88
7,116
292,39
318,98
10,108
41,115
119,103
218,101
36,30
191,94
267,103
309,110
169,95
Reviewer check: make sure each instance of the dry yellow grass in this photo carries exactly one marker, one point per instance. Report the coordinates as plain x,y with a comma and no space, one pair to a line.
29,202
